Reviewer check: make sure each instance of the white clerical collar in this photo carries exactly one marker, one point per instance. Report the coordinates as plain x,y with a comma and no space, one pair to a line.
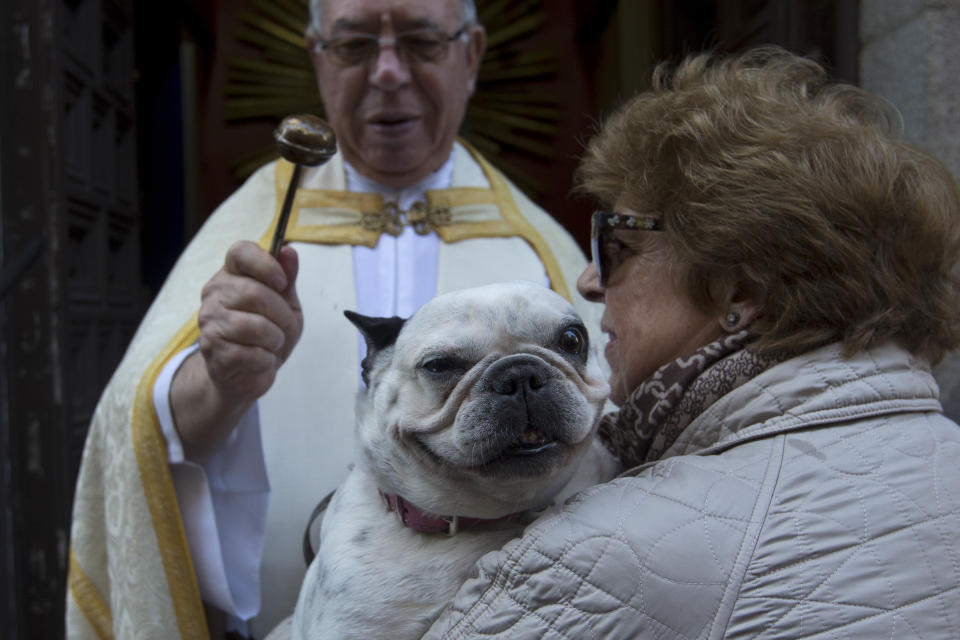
439,179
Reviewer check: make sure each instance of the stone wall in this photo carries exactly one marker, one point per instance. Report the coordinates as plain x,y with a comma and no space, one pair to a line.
910,54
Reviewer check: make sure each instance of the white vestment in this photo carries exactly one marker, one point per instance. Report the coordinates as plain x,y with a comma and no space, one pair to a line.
489,231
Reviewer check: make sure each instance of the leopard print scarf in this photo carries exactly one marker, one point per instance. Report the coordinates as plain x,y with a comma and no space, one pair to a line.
655,414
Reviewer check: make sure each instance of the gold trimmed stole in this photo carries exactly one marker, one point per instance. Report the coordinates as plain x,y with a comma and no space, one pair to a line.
460,213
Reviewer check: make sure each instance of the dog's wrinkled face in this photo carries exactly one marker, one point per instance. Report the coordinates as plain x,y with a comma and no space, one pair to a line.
482,402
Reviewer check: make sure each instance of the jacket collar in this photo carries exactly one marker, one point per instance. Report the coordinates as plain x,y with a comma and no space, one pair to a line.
815,389
811,390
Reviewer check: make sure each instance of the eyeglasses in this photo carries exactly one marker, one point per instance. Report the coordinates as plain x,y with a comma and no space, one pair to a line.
609,252
422,45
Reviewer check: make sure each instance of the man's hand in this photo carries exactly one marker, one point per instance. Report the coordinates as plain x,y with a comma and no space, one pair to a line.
250,319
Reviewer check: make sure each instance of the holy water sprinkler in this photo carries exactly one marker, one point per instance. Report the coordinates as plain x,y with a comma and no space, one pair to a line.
304,140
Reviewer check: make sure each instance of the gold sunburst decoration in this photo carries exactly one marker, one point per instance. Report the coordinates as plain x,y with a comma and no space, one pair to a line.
511,115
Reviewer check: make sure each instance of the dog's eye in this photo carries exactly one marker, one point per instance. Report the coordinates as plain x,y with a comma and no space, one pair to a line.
573,340
440,365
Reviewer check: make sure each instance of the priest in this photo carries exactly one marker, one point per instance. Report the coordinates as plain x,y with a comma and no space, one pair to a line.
223,427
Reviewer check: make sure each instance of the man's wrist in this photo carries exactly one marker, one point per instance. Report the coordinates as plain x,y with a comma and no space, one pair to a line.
202,415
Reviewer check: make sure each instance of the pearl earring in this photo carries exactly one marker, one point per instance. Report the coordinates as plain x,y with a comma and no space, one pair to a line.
732,319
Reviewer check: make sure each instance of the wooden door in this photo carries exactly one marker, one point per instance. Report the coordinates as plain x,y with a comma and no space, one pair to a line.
71,293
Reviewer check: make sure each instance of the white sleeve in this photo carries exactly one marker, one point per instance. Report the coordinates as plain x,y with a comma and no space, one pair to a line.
223,503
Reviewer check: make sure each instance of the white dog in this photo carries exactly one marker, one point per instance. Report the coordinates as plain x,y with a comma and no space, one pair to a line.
478,411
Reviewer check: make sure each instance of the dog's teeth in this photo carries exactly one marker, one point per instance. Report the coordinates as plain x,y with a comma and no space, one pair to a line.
531,437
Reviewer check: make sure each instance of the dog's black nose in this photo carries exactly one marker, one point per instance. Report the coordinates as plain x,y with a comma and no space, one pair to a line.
519,377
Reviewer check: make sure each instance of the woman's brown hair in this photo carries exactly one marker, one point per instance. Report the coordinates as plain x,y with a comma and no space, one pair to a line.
796,190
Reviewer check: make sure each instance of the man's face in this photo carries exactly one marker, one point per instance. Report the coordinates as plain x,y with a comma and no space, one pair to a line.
396,116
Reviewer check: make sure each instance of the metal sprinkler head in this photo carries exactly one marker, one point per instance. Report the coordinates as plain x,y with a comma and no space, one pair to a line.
304,140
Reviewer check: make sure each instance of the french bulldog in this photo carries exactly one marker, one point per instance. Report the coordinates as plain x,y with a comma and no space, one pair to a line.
477,413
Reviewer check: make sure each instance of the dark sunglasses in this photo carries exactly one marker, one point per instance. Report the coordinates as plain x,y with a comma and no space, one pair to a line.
608,252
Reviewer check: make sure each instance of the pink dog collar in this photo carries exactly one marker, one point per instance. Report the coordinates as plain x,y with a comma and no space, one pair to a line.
413,517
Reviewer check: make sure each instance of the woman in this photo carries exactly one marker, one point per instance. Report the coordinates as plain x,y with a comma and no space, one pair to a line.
778,275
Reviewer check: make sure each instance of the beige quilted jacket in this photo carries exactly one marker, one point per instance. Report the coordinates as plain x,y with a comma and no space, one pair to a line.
819,500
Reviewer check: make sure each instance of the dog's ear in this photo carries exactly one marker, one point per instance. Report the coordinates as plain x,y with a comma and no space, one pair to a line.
379,334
